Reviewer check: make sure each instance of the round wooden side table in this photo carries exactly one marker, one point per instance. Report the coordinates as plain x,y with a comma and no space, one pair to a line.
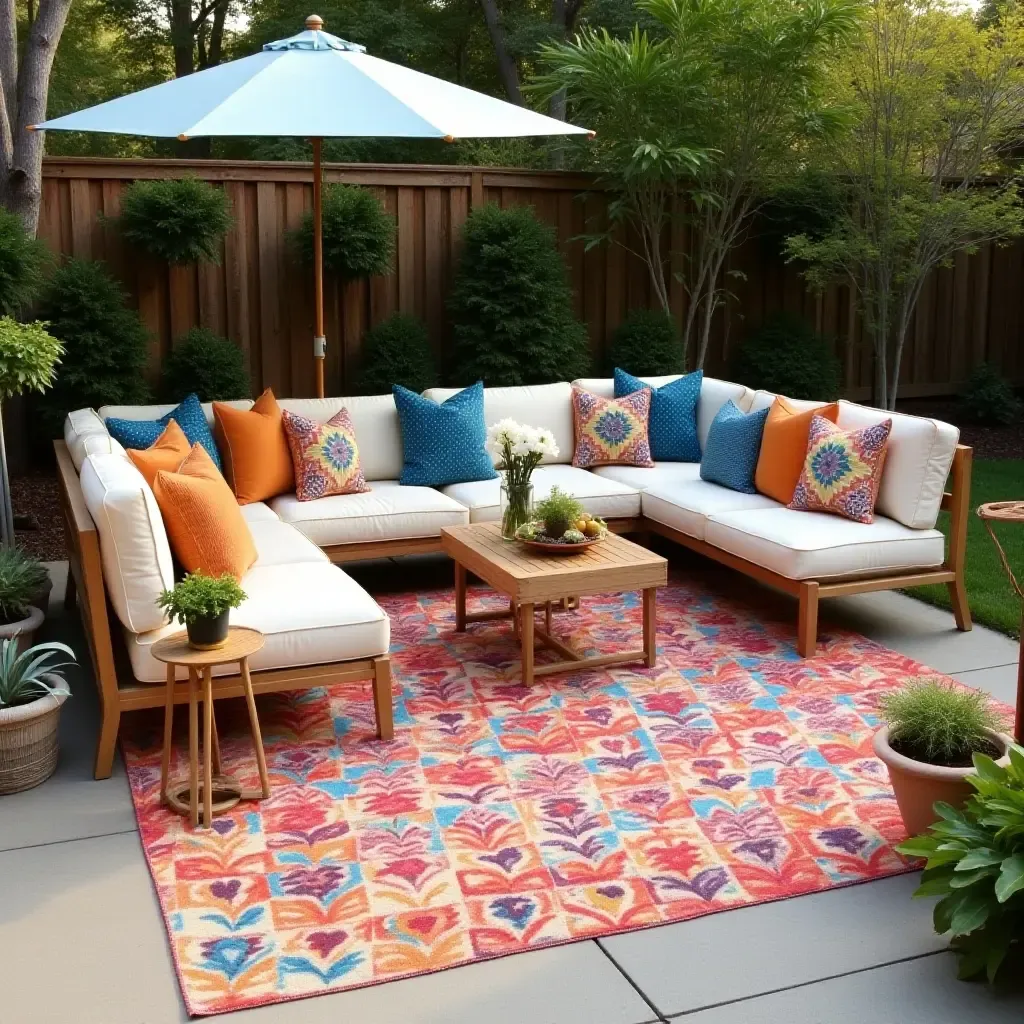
175,651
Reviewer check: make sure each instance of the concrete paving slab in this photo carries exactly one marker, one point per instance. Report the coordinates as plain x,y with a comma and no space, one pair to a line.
1000,681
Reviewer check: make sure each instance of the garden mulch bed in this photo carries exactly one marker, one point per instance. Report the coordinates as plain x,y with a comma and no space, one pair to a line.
987,442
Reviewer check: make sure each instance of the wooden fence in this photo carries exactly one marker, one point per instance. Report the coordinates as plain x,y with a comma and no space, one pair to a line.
260,295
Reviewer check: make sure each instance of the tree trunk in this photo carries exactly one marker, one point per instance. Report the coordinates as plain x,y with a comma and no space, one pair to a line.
507,70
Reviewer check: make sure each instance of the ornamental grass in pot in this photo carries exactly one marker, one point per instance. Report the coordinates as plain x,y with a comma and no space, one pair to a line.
932,733
203,605
23,581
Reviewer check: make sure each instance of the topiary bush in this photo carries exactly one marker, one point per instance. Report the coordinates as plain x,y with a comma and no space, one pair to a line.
511,304
646,344
788,357
989,398
180,220
396,351
23,261
358,235
204,362
105,343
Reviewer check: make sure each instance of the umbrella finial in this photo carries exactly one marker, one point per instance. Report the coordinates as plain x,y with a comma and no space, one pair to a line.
314,23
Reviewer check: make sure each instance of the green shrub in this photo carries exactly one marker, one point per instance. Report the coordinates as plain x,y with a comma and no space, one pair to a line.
204,362
646,344
558,512
199,596
989,398
396,351
358,235
789,358
511,305
180,220
23,260
21,579
29,355
105,344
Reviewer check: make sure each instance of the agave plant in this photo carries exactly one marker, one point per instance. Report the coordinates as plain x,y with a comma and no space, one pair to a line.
32,674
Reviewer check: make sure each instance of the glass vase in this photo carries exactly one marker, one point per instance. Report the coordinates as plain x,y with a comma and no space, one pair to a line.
516,506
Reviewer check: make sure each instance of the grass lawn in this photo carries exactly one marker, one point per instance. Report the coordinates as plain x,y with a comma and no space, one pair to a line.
993,601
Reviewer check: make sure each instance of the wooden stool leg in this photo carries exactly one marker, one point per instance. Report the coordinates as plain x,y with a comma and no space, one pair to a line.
207,746
526,641
216,739
382,700
254,724
193,749
165,760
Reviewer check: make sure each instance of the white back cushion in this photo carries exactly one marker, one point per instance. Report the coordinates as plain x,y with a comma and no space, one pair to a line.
86,434
133,542
764,400
154,412
918,456
534,405
375,419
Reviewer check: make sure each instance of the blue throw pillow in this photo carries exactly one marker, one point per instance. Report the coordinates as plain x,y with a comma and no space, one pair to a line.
143,433
673,422
443,444
733,444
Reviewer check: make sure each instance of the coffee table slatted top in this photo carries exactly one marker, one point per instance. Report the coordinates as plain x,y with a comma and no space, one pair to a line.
614,565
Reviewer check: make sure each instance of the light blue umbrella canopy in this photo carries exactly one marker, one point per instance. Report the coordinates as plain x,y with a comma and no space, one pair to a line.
313,85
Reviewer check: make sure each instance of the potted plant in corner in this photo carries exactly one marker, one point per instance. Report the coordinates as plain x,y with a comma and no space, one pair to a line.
932,733
203,604
23,581
32,690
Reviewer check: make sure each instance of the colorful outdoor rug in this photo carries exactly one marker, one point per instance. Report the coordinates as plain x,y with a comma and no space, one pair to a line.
502,819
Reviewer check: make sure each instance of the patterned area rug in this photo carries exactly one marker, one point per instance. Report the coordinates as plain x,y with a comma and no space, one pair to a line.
502,819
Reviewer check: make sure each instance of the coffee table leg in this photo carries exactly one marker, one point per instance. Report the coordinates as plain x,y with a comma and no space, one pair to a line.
526,641
460,598
650,627
165,761
193,749
207,746
254,724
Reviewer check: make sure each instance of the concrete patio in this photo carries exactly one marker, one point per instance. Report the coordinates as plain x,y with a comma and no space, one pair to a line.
83,939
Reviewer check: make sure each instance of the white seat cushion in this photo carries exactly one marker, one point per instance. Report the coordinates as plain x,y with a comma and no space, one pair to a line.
258,512
816,545
388,511
642,477
86,434
685,505
600,496
311,613
280,543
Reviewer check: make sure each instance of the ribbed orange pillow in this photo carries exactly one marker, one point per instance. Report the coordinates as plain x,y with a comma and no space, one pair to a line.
784,447
257,461
204,523
168,452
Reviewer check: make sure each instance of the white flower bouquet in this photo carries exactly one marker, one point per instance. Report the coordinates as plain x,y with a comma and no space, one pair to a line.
520,449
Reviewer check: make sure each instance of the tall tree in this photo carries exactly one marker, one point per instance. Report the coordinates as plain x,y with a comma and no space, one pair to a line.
507,69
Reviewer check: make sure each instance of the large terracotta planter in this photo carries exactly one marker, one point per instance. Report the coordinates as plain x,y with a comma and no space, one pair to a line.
28,743
25,630
919,786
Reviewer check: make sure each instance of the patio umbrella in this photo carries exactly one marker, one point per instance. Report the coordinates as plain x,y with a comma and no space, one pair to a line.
312,85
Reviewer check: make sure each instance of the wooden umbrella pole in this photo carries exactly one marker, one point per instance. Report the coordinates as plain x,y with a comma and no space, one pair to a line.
319,341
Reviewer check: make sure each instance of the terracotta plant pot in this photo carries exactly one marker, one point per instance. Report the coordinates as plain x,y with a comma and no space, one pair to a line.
25,630
28,743
208,634
919,786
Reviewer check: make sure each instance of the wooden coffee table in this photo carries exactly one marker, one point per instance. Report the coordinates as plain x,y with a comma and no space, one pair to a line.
533,581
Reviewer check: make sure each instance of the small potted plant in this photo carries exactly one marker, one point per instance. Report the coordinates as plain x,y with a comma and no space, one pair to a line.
203,604
23,580
560,522
519,450
933,730
32,690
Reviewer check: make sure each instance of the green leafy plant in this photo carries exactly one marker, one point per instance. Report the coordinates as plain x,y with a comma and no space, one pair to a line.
938,723
201,597
21,579
974,861
180,220
30,675
646,343
397,351
207,364
989,398
559,512
787,357
358,235
511,305
28,357
23,261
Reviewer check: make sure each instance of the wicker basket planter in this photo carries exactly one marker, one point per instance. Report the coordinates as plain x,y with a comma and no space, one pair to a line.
28,743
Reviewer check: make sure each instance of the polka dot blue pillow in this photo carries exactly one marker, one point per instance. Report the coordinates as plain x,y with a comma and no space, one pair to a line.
443,443
143,433
733,445
673,421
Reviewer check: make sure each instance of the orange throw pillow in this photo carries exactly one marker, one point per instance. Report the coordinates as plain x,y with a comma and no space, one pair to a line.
784,447
206,528
168,452
257,461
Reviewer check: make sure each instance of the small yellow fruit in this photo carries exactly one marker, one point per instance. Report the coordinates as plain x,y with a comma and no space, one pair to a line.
592,529
581,525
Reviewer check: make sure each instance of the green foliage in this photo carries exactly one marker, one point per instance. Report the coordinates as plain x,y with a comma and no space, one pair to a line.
104,342
974,861
21,579
937,722
201,597
810,203
28,357
180,220
646,343
207,364
989,398
30,675
358,235
397,351
23,261
787,357
511,305
558,512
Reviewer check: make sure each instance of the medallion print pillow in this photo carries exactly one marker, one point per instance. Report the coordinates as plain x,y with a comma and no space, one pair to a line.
842,470
325,456
611,431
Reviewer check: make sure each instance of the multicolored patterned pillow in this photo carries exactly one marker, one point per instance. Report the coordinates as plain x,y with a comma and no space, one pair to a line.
611,431
325,456
843,470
